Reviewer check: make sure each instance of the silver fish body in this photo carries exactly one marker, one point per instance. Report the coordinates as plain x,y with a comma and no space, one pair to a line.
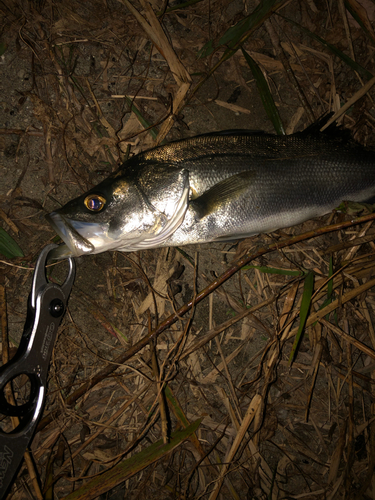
216,187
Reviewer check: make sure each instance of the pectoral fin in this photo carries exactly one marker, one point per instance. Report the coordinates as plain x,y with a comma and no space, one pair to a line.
222,193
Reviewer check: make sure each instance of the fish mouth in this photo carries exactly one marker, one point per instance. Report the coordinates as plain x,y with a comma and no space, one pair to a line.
75,244
85,238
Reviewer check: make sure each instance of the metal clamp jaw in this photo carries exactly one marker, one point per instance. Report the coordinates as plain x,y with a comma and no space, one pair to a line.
47,305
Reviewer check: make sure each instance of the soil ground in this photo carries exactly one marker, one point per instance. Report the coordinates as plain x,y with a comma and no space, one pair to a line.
69,73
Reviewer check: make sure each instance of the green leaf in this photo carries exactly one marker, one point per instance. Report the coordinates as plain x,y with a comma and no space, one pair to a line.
3,48
354,208
184,254
273,270
330,282
265,94
8,247
177,410
346,59
234,34
329,289
303,313
206,50
122,471
264,10
145,123
120,333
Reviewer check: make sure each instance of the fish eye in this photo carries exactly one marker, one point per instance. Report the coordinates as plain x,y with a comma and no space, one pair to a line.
94,202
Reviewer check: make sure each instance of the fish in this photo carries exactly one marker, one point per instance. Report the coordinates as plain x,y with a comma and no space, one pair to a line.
216,187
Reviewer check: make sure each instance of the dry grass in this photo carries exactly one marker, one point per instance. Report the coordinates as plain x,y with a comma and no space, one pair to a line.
132,365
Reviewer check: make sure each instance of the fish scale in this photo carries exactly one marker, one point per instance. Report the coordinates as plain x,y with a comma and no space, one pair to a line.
217,187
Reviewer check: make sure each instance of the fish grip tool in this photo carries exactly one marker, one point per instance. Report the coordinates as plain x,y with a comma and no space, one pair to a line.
46,307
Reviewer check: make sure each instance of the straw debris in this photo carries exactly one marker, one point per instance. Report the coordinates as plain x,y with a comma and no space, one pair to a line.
172,376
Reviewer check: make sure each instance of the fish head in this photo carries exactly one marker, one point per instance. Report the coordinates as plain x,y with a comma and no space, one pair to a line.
130,210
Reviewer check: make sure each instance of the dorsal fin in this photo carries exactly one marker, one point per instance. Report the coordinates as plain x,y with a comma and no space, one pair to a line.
333,130
233,131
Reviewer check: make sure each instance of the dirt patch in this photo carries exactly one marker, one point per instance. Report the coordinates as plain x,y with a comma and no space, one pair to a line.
70,74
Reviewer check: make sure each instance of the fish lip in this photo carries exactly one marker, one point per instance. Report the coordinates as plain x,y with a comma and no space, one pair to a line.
75,244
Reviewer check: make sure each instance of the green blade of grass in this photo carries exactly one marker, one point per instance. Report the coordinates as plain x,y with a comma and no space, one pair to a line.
3,48
8,247
330,282
206,50
234,34
180,415
304,311
145,123
274,270
122,471
185,255
177,410
260,14
328,300
329,291
265,94
346,59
